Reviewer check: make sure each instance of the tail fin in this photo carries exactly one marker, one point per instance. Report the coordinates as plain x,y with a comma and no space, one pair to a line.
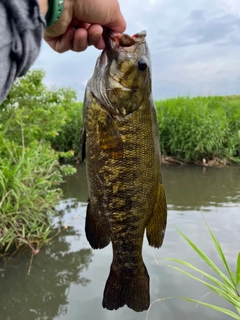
122,288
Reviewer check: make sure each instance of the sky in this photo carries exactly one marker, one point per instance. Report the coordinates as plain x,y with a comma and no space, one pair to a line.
194,46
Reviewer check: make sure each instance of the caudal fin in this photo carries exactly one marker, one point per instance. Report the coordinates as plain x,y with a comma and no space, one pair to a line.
122,288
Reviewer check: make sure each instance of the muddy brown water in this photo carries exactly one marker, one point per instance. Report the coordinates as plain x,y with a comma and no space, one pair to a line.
68,277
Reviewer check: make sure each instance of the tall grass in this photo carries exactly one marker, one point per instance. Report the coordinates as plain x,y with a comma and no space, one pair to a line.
228,285
190,129
29,180
203,127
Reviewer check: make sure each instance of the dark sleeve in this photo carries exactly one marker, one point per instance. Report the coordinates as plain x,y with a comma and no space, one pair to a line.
21,30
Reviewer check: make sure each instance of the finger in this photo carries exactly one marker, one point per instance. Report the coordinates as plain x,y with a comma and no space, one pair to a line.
95,36
101,44
79,24
105,12
118,26
80,42
62,43
117,23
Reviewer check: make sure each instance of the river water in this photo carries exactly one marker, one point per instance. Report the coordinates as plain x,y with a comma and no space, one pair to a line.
67,277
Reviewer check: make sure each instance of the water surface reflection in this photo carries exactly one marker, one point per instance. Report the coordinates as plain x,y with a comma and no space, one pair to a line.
44,293
67,277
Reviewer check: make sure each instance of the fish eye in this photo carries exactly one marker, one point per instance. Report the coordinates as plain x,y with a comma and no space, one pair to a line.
142,64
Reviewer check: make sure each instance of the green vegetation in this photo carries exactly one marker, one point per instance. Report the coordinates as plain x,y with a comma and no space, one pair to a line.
199,128
225,286
191,129
68,140
30,173
39,127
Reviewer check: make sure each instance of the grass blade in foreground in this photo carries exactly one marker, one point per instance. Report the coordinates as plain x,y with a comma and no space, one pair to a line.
226,288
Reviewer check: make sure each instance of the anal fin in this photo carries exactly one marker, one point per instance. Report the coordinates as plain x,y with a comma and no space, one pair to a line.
157,224
96,234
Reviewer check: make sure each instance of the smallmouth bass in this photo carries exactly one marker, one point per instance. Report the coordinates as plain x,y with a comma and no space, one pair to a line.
121,146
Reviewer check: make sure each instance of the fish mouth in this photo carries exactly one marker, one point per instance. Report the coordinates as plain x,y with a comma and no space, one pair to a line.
119,42
111,51
116,45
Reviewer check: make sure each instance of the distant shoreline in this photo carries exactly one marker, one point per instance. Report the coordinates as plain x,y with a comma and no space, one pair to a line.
215,162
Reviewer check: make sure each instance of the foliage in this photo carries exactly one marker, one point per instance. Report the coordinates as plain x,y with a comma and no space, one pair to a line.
227,287
28,191
68,140
203,127
38,126
29,168
39,113
190,129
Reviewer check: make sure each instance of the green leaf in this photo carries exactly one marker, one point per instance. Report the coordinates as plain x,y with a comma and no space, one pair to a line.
208,261
226,289
221,285
229,297
221,254
219,309
238,270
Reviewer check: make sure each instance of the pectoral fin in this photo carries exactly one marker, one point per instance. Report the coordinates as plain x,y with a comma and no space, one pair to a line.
157,224
96,233
110,138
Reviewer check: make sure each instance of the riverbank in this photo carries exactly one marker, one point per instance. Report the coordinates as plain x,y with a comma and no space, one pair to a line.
215,162
41,128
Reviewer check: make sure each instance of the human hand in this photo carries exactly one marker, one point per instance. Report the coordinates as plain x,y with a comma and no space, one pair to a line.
81,24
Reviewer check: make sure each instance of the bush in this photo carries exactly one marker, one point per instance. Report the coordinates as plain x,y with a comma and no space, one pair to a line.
68,140
29,168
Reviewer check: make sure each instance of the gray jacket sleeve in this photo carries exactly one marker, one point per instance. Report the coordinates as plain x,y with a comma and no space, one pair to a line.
21,30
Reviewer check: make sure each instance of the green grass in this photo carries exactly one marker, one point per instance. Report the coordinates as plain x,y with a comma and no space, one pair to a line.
224,285
191,129
29,180
203,127
39,126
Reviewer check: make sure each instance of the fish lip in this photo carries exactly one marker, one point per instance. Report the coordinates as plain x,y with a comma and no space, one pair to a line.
112,46
108,36
119,42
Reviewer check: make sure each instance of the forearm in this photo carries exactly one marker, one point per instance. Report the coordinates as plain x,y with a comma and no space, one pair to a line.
43,4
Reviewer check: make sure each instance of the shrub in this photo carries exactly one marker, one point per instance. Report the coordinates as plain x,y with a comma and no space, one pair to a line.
68,140
29,168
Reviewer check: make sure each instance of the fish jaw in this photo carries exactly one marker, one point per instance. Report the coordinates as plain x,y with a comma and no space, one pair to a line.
122,75
118,41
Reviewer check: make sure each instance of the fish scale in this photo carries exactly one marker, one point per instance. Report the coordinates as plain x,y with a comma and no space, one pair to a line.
126,194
